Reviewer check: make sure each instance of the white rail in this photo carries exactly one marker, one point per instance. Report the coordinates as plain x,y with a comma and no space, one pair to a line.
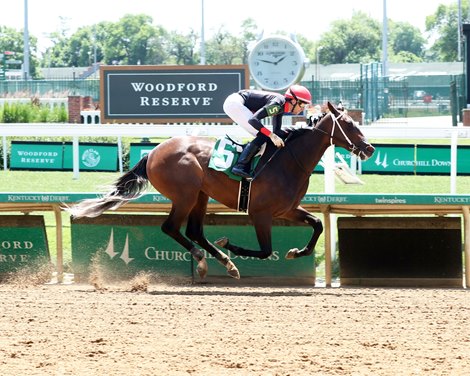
170,130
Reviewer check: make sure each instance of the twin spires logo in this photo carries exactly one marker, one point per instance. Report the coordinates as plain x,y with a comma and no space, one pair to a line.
381,162
112,253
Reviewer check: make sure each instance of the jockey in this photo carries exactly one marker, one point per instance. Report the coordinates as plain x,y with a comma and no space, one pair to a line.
249,107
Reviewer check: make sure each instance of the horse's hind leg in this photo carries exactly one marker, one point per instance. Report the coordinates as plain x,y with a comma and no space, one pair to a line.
262,225
300,215
195,232
172,226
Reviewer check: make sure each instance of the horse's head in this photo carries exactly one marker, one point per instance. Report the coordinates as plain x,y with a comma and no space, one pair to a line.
344,132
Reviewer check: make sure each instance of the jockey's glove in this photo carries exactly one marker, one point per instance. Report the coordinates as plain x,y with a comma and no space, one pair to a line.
276,140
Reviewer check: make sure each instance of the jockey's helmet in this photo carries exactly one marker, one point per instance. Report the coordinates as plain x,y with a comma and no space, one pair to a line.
299,92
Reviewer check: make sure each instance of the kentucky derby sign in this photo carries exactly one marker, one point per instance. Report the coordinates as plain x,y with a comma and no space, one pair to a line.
163,94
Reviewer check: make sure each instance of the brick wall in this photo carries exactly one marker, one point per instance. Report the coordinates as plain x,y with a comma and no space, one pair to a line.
76,104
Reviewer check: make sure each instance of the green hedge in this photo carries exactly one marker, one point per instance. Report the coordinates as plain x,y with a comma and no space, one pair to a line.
32,113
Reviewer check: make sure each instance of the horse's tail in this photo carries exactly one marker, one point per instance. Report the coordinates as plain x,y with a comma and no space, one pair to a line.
128,187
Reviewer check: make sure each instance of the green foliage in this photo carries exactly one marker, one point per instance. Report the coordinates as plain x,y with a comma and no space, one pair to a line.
32,113
443,26
12,40
359,40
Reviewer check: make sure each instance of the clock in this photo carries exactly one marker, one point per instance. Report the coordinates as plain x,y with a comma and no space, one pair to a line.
277,62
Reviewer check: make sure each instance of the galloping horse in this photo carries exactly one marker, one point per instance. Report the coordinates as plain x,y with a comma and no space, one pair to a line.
178,169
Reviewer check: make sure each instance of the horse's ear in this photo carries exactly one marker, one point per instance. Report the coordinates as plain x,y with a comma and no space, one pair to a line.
333,109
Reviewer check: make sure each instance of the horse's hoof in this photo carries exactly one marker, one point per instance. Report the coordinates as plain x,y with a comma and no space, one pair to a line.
292,254
232,270
202,268
222,242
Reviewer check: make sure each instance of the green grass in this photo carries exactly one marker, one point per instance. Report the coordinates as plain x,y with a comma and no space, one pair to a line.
45,181
41,181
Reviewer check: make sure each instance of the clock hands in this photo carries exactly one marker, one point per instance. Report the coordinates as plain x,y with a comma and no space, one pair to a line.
274,62
267,61
282,58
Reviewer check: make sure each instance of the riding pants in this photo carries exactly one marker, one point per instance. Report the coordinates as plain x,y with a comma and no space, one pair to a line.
234,106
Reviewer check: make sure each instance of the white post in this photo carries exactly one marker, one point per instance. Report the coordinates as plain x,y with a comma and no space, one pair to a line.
353,164
453,163
203,42
120,154
76,158
5,152
329,158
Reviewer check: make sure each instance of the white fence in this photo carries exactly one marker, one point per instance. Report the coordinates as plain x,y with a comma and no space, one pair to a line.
453,134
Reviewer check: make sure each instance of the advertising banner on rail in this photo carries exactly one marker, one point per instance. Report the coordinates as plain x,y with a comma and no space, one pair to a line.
138,151
92,156
32,155
123,245
391,158
416,159
23,242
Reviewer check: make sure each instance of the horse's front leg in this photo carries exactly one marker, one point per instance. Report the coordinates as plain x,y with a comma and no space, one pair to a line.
300,215
263,224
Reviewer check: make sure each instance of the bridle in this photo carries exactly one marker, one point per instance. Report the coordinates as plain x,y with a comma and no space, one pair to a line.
351,146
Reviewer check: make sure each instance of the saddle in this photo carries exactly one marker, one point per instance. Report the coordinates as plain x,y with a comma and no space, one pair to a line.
226,153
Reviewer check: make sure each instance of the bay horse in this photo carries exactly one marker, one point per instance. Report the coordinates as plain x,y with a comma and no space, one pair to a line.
178,169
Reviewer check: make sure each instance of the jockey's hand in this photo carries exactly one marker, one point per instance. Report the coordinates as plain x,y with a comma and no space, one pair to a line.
278,141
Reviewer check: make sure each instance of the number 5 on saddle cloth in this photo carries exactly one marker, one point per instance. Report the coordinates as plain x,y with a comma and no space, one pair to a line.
225,155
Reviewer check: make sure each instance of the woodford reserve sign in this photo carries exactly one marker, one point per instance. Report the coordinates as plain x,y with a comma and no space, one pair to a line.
162,94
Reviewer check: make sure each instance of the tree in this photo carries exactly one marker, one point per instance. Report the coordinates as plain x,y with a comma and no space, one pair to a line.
223,48
134,40
182,48
12,40
442,26
249,35
406,44
355,41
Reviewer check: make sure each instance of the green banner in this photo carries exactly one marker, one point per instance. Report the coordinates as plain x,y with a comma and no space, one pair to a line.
23,242
138,151
36,155
92,156
309,198
432,159
410,159
126,244
391,158
435,159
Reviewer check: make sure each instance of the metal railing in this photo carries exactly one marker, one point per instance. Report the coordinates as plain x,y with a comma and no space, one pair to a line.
405,97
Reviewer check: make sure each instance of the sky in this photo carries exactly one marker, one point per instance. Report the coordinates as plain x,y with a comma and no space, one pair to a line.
309,18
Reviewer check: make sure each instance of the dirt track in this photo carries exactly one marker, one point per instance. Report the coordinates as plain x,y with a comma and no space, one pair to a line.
209,329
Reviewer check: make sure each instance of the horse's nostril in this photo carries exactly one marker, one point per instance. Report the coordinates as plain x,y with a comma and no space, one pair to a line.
370,149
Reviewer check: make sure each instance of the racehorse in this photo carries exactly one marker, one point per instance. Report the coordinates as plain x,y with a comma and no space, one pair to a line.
178,169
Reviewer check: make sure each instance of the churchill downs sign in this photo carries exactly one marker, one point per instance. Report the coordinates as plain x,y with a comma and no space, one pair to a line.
162,94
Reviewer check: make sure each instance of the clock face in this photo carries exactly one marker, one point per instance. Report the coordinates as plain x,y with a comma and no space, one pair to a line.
276,63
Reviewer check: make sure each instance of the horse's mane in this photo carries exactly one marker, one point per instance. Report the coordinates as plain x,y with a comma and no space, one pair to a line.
294,131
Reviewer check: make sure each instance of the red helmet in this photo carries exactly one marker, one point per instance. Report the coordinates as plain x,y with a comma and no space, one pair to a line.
299,92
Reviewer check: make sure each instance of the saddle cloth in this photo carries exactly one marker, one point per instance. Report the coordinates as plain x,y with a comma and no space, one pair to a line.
226,153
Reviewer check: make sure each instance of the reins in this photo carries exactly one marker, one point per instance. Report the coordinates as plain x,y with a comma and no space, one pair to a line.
270,158
335,119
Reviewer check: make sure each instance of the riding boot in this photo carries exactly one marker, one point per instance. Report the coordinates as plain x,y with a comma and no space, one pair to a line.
243,166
